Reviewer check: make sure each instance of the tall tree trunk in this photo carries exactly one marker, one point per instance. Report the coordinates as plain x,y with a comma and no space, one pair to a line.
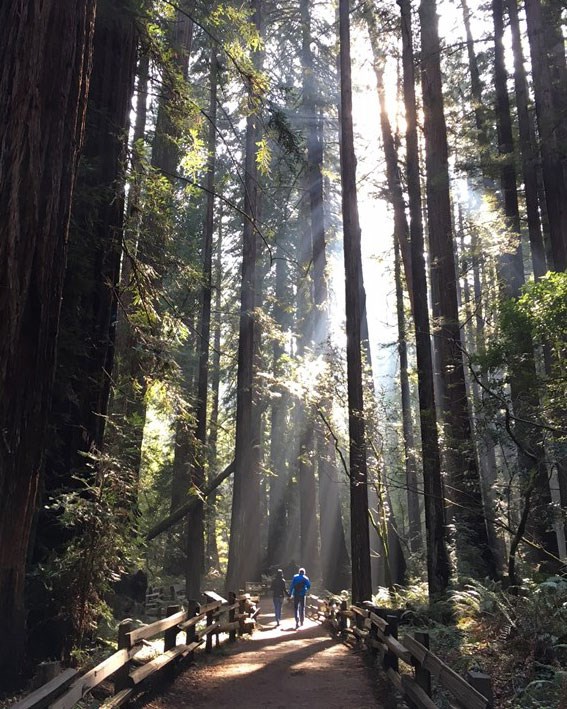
212,552
195,530
528,146
531,454
333,554
41,137
474,554
244,548
396,195
412,492
438,565
553,175
277,516
360,544
402,244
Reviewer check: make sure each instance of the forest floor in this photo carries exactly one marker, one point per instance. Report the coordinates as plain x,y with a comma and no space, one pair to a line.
276,668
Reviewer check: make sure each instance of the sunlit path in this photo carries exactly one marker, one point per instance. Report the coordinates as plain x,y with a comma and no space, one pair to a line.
277,668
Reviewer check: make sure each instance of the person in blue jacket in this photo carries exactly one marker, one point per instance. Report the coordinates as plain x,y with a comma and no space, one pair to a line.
298,588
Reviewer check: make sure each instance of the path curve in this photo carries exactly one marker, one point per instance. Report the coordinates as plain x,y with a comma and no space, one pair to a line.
277,668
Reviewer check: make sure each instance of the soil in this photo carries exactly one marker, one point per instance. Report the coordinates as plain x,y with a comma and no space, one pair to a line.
278,668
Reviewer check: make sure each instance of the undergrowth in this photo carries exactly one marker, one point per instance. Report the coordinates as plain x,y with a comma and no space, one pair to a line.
517,636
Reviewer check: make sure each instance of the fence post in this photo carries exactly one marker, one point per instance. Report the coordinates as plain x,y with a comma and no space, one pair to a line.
390,659
372,633
482,683
343,621
232,615
422,676
170,635
122,677
209,642
241,611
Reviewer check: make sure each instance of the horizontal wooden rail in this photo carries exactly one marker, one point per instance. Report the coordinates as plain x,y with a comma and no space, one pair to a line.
367,624
200,623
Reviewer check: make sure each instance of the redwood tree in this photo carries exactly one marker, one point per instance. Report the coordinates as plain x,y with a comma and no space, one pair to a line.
360,544
438,565
473,551
43,92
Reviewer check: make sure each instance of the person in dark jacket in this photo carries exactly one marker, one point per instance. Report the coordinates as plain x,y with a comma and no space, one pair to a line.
300,585
278,593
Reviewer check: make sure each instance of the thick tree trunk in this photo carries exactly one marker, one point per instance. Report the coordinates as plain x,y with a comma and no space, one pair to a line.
438,565
88,314
474,554
244,549
360,544
41,135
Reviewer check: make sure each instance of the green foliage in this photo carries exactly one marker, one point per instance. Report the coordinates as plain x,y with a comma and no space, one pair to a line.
98,515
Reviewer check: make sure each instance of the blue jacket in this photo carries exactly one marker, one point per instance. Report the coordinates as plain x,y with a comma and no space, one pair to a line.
299,585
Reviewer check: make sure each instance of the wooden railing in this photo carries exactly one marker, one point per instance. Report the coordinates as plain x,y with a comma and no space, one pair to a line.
378,630
126,668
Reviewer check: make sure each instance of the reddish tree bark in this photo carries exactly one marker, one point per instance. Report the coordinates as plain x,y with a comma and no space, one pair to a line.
44,76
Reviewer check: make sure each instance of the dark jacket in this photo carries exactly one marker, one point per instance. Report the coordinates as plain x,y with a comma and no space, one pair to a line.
279,587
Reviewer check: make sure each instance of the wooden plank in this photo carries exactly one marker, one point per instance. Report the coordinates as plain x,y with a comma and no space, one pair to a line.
360,633
394,678
416,693
192,621
418,650
208,630
398,649
118,699
380,622
209,607
362,612
214,596
157,664
149,631
227,627
450,679
42,696
91,679
191,647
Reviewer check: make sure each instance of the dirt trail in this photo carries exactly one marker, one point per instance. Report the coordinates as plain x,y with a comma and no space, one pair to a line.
279,668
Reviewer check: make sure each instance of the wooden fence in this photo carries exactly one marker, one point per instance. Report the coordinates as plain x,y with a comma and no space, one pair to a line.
378,629
126,668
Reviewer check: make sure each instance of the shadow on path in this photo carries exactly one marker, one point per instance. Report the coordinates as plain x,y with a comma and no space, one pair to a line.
277,669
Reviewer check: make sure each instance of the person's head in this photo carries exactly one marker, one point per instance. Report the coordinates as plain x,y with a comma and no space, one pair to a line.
279,573
301,571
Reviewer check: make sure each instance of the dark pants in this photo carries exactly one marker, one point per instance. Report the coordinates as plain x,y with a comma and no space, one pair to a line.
299,607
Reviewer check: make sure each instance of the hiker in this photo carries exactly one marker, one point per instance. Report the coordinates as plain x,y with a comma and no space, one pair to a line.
278,593
298,588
